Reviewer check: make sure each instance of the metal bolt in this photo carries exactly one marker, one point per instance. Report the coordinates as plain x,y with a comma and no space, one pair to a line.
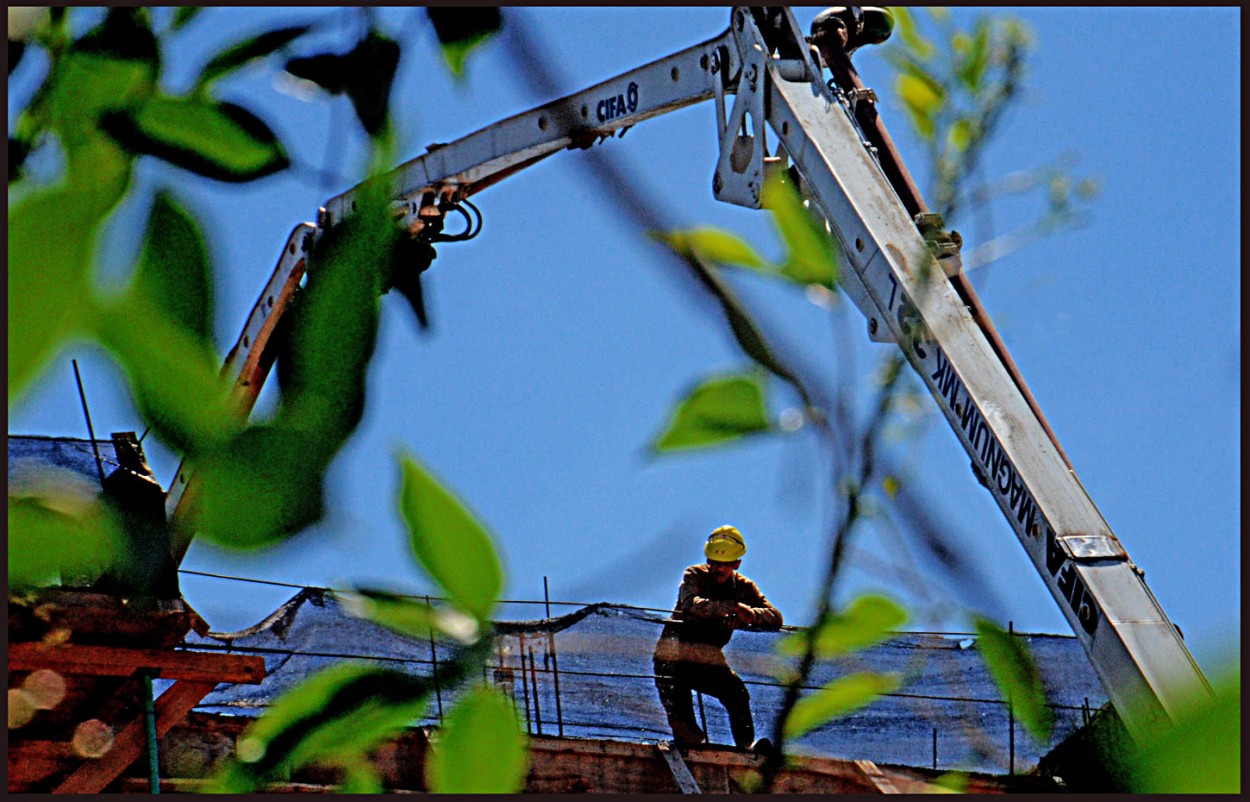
872,325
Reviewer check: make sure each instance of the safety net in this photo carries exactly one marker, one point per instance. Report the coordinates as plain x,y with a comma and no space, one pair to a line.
588,674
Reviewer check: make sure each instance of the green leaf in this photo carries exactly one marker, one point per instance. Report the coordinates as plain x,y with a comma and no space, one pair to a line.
174,272
461,30
216,140
976,57
245,52
334,717
910,35
869,620
960,134
719,410
713,245
52,239
333,328
183,15
1201,754
920,93
810,255
365,74
1016,676
408,616
261,487
449,543
481,749
174,376
56,539
842,696
124,35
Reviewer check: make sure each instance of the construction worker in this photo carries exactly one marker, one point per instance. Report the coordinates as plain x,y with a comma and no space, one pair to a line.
713,600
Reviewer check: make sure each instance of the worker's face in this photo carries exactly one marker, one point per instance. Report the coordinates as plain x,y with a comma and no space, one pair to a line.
721,572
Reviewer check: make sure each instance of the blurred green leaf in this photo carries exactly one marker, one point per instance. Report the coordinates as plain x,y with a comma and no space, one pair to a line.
360,776
334,717
365,74
959,135
976,58
954,782
51,546
909,34
1016,676
869,620
334,326
481,749
837,698
1201,754
216,140
174,272
52,239
453,548
261,487
810,255
243,53
923,99
718,411
714,245
409,616
83,87
183,15
461,29
175,377
124,35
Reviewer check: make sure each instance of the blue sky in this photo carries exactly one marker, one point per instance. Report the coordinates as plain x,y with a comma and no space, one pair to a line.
562,341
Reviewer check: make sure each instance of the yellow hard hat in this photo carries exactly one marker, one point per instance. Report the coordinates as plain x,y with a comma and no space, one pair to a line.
725,544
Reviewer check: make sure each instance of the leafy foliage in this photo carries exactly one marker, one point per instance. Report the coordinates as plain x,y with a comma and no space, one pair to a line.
481,749
869,620
1016,676
364,74
449,543
720,410
460,30
837,698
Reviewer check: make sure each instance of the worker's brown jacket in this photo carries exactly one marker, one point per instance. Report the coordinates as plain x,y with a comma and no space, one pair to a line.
704,614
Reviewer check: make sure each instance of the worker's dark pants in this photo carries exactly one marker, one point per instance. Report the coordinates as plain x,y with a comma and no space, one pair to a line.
712,676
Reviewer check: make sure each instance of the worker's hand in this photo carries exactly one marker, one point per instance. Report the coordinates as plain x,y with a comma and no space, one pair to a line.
745,615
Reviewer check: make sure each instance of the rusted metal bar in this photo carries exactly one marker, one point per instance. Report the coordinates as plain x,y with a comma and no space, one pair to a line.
830,42
538,718
703,715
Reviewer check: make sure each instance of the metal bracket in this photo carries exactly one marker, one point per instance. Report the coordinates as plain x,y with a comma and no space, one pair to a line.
854,96
1091,547
739,176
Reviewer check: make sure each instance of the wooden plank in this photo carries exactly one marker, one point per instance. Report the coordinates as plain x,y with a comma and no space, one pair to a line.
172,707
107,661
681,772
876,777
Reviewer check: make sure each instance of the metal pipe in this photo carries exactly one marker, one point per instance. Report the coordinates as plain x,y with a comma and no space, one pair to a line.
438,692
703,716
538,718
525,687
555,663
149,715
82,396
1011,718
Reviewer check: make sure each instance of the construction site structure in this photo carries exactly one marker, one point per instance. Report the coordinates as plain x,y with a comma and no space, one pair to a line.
903,272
